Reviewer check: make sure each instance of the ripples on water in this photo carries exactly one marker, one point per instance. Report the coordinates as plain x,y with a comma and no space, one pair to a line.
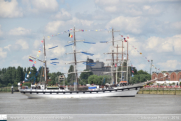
18,103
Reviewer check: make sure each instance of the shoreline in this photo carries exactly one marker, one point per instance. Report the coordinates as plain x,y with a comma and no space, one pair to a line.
160,91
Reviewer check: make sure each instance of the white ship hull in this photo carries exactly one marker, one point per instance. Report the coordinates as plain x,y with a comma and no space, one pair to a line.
86,94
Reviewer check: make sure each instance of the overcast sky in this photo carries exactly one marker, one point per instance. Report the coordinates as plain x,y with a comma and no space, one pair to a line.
153,27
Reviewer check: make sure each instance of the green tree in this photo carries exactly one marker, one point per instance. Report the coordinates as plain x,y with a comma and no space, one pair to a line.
99,80
71,77
140,76
84,77
19,74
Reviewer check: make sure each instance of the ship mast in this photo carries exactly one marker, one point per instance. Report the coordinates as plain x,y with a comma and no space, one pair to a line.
75,67
113,74
45,61
76,82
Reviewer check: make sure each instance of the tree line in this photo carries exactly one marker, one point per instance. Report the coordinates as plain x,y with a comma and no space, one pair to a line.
12,76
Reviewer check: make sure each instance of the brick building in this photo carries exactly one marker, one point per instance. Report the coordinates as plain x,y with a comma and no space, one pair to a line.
173,77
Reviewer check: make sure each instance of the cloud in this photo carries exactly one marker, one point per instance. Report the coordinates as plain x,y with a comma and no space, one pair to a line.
159,44
127,24
15,63
40,6
25,57
170,65
1,33
131,7
63,15
7,47
58,51
177,44
20,31
2,53
52,27
176,25
37,44
10,9
141,66
23,44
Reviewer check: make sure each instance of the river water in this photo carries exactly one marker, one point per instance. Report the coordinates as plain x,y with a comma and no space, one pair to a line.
18,103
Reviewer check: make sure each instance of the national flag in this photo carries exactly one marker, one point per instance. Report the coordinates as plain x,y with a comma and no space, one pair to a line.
148,60
42,41
35,62
82,30
70,35
121,35
125,40
115,65
132,71
39,51
70,28
31,60
29,72
127,37
33,65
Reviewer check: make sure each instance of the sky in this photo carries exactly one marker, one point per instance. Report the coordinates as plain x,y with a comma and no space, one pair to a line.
153,28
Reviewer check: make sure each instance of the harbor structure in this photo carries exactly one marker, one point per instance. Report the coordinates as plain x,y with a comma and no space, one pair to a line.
172,77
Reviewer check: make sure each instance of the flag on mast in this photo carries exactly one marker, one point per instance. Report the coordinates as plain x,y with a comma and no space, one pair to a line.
115,65
125,40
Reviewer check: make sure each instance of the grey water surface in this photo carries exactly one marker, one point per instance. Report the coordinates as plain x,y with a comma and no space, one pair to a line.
18,103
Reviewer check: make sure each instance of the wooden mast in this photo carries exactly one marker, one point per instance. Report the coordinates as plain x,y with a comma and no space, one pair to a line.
75,67
113,80
46,82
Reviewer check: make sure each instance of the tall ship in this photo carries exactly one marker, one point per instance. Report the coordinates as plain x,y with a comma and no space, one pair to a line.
112,90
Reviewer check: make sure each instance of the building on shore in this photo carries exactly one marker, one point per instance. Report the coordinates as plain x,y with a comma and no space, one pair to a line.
173,77
100,67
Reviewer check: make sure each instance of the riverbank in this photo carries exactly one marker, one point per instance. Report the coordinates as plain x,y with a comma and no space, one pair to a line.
160,91
8,89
